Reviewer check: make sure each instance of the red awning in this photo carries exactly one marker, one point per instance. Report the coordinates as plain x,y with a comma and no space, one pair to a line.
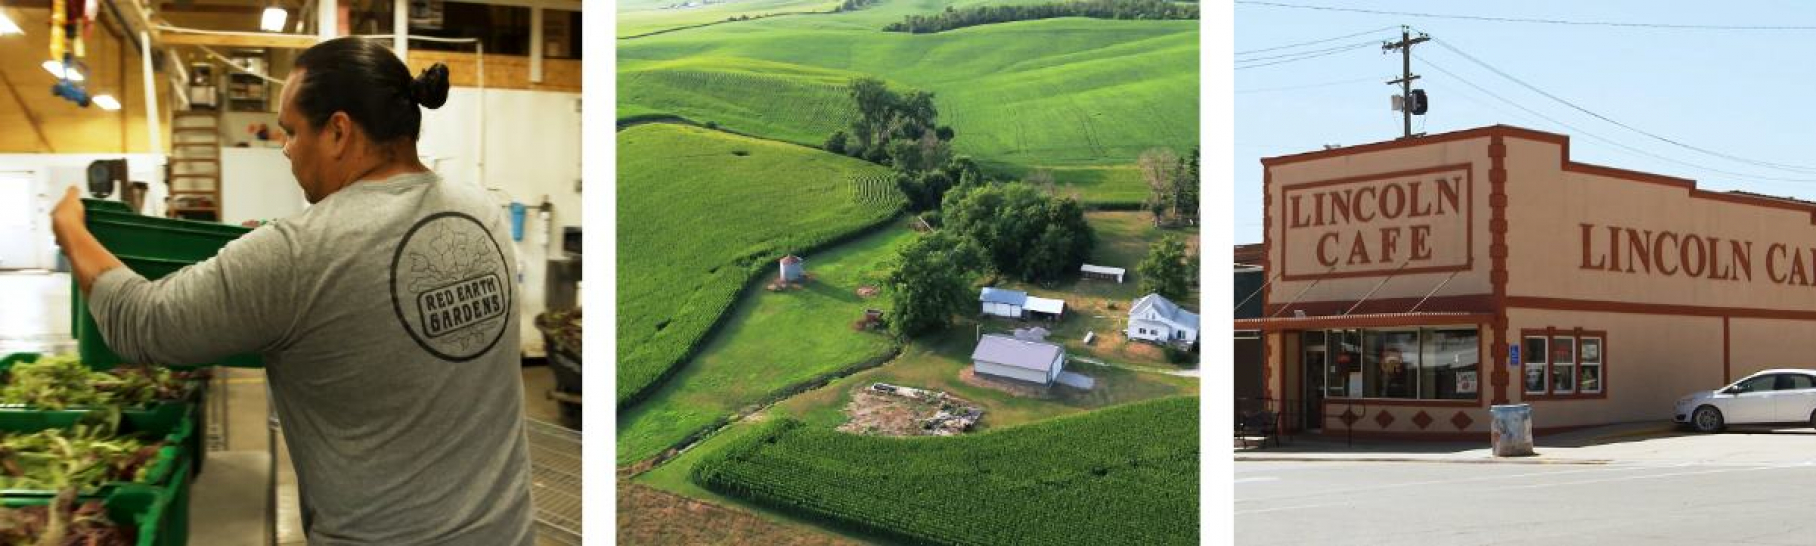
1374,320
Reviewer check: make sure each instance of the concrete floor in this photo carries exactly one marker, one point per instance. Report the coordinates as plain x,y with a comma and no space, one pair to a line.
229,498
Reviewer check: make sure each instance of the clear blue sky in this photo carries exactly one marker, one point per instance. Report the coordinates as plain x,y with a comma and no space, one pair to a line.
1743,93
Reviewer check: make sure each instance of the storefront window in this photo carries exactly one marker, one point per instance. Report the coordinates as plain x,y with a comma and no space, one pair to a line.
1563,365
1535,353
1345,353
1393,360
1449,365
1592,365
1412,364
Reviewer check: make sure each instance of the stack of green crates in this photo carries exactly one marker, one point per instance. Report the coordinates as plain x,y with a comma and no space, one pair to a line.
164,496
152,247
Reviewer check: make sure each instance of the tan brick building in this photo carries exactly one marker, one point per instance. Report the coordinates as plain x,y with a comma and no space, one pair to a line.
1414,283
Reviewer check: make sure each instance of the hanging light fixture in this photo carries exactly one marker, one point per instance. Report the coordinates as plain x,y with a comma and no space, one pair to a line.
7,26
55,68
273,21
107,102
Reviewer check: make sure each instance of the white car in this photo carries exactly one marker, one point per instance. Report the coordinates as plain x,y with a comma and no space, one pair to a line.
1768,397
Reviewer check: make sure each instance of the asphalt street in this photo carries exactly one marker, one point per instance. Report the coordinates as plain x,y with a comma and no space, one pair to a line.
1694,501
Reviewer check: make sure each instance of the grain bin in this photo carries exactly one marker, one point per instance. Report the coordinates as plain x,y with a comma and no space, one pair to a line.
792,268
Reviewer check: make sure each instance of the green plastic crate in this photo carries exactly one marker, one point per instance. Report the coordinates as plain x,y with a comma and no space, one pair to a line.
193,406
124,232
154,248
167,412
170,465
146,509
173,530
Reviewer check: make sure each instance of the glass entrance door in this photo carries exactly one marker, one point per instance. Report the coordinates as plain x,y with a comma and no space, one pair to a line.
1313,363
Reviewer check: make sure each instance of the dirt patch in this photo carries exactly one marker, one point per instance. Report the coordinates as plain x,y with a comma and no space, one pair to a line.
1015,388
867,291
882,414
649,516
1136,349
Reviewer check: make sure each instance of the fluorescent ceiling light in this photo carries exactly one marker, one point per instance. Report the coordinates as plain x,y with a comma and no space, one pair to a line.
56,69
7,26
273,21
107,102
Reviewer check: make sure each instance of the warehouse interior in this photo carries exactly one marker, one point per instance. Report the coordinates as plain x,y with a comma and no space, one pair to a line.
169,107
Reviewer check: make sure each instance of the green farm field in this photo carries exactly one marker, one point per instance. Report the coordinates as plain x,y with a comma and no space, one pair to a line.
700,212
1082,97
771,341
1125,475
637,17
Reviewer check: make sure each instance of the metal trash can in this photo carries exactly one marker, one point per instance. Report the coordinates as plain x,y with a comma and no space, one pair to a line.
1511,430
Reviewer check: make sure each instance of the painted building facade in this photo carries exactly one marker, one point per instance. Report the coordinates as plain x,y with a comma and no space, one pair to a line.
1414,283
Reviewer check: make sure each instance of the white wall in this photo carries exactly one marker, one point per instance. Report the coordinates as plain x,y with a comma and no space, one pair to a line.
51,173
1002,309
234,124
532,153
256,184
1024,374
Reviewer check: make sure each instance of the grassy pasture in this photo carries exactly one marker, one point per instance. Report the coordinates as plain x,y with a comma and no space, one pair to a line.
698,212
1083,97
637,17
771,341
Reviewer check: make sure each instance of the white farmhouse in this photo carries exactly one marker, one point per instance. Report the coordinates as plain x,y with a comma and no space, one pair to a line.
1003,303
1025,360
1154,318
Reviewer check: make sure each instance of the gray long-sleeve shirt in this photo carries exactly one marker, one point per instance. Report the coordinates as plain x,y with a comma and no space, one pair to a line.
387,318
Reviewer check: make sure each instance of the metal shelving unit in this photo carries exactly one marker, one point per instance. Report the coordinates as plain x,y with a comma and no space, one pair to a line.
555,481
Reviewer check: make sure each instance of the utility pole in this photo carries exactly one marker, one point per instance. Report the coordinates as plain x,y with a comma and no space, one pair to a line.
1406,76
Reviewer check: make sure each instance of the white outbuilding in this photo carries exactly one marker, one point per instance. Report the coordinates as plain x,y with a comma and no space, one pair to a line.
1019,359
1003,303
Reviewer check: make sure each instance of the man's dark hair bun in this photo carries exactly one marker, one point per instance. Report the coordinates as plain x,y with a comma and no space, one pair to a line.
430,89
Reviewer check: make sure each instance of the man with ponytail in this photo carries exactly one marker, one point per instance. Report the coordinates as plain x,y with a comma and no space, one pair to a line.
386,314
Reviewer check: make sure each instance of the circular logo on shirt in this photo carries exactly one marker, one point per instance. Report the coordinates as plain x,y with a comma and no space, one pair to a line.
451,287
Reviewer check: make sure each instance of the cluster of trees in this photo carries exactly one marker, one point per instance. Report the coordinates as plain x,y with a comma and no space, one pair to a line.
1172,184
852,5
1012,229
954,18
1167,270
902,131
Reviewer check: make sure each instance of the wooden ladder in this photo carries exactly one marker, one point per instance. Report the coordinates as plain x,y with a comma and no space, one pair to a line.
194,175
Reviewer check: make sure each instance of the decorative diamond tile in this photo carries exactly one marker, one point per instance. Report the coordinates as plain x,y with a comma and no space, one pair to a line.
1422,419
1349,417
1461,420
1384,418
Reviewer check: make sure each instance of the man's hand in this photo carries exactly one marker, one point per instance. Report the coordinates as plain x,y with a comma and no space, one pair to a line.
87,258
68,217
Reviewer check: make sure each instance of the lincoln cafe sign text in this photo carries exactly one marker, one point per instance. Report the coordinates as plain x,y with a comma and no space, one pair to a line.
1397,223
1669,253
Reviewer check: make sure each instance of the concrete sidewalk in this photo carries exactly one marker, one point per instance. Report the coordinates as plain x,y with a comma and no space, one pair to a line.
1647,442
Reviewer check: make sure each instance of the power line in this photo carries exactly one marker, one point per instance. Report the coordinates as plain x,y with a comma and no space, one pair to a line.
1307,57
1529,20
1306,86
1344,47
1288,46
1759,163
1576,130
